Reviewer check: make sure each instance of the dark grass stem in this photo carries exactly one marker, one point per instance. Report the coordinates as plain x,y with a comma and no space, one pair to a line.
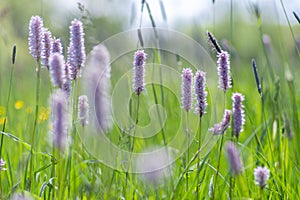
7,104
296,16
256,77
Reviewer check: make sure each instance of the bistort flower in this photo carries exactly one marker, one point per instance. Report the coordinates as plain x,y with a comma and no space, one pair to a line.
261,175
201,94
186,89
139,71
35,37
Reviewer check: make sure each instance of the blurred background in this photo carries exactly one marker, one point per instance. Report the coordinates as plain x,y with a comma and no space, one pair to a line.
248,29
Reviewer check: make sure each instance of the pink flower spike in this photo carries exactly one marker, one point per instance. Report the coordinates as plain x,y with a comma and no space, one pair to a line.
238,113
46,44
139,71
201,94
186,89
223,71
35,36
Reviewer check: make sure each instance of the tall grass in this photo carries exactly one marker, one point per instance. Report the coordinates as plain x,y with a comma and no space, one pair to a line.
35,168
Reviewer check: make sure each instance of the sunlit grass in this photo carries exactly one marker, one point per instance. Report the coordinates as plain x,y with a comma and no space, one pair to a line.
270,137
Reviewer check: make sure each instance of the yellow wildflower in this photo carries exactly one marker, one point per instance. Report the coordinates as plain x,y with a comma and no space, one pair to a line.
19,104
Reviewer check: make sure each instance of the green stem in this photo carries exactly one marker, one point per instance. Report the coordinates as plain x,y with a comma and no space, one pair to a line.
264,49
35,132
231,24
73,136
218,166
132,144
188,166
198,163
188,150
290,27
7,104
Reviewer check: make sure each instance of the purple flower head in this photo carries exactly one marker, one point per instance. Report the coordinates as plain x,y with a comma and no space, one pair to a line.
83,110
238,113
139,71
223,71
56,46
73,70
261,175
67,87
152,167
233,159
201,94
76,49
46,44
35,36
186,89
57,70
221,127
60,121
98,87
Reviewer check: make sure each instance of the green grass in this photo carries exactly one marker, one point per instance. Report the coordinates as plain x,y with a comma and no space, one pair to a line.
94,167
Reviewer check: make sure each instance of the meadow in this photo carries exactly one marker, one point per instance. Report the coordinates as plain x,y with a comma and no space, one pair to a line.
96,110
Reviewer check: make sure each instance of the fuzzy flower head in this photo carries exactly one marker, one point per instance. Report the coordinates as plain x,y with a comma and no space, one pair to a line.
261,175
57,70
234,160
46,47
223,71
60,121
139,71
221,127
76,49
56,46
201,94
186,89
238,113
98,89
35,36
83,110
67,87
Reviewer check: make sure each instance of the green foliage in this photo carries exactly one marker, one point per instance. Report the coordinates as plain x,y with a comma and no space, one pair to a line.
270,137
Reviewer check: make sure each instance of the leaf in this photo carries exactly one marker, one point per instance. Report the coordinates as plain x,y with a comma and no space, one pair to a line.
16,139
43,188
